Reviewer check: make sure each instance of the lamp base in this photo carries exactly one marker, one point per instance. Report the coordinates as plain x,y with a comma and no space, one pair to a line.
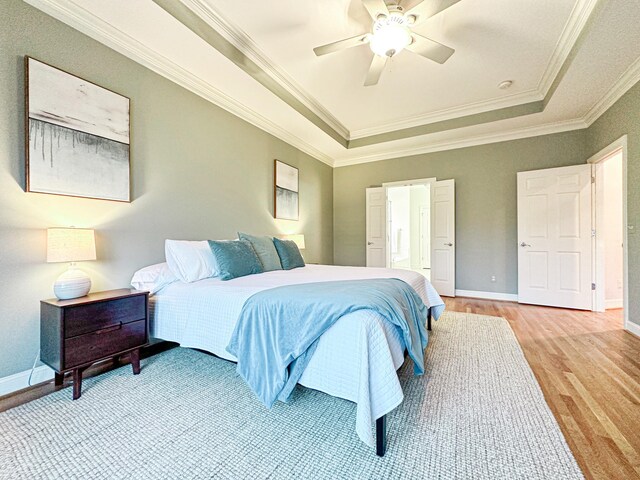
73,283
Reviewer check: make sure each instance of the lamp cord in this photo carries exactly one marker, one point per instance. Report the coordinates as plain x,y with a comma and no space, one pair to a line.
33,368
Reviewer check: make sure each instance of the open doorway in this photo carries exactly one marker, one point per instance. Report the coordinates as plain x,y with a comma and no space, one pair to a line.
412,225
409,220
610,229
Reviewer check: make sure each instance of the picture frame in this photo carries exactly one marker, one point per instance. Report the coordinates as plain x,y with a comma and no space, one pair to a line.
77,136
286,204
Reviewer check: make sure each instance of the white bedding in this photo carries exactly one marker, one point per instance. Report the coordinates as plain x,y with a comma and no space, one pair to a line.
356,358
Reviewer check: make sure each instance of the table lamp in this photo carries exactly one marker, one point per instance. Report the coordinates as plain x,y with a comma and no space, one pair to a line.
297,238
71,245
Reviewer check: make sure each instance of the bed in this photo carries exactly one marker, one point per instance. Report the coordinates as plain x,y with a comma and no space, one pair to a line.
356,359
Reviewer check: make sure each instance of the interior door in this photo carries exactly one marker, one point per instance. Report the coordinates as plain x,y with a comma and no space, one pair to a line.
443,237
376,206
554,237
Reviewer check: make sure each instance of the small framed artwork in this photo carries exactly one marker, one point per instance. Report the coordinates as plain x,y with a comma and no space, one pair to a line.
77,136
286,192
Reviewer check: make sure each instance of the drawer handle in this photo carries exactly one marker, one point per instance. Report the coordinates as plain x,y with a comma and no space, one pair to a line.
109,329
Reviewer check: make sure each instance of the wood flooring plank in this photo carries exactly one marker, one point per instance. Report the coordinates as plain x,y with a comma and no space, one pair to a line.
588,368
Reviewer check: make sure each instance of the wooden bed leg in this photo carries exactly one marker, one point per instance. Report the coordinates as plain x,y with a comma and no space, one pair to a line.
381,436
429,320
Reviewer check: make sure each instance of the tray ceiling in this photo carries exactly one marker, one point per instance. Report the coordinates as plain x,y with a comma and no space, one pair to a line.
256,59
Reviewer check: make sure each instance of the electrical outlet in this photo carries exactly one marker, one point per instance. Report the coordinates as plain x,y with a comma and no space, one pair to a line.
493,278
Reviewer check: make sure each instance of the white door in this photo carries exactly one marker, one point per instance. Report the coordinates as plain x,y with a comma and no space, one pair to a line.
443,237
376,205
554,237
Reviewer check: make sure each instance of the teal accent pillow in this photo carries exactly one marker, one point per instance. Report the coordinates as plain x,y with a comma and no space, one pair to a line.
235,258
289,254
265,250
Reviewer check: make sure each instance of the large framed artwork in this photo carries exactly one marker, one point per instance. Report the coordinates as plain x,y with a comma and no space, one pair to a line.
77,136
286,191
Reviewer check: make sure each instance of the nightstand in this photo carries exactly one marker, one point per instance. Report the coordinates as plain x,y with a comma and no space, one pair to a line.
76,333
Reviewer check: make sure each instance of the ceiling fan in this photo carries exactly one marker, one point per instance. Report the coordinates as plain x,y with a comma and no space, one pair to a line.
392,32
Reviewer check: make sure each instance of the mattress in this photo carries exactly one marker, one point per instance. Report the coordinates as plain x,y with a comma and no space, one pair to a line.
356,359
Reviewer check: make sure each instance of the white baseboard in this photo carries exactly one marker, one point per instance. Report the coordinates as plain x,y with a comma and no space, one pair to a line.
20,380
616,303
632,327
505,297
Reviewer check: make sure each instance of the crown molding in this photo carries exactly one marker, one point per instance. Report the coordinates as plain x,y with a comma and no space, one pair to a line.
516,134
573,28
77,17
627,80
239,39
465,110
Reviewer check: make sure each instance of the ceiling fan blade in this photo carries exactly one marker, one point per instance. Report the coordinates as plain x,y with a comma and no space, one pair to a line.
428,8
376,8
430,48
342,44
375,70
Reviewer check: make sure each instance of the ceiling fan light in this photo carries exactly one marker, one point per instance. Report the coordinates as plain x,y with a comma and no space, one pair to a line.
389,39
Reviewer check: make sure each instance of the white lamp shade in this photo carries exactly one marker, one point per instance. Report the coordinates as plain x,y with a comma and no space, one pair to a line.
70,244
297,238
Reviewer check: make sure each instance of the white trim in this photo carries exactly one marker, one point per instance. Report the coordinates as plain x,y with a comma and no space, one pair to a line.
84,21
503,297
570,34
105,33
239,39
408,183
627,80
633,328
609,150
613,304
449,114
242,41
516,134
20,380
620,144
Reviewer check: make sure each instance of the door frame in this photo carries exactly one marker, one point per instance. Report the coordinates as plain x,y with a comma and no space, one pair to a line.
401,183
620,145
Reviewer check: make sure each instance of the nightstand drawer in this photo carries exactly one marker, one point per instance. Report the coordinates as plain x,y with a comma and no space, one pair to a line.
92,317
103,343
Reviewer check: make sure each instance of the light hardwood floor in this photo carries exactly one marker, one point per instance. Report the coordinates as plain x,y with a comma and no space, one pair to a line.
589,370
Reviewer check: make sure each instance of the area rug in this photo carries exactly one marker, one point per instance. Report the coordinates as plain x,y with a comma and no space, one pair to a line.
477,413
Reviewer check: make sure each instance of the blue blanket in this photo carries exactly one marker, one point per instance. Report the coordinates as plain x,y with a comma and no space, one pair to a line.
278,329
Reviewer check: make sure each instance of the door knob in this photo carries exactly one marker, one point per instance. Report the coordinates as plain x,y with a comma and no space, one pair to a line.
524,244
369,243
449,244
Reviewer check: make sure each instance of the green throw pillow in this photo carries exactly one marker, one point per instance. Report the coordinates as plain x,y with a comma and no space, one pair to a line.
265,250
235,258
289,254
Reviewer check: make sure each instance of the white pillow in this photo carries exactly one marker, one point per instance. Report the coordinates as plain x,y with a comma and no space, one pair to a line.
190,261
153,278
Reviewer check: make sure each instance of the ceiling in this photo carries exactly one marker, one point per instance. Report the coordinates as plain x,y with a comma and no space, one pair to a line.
255,59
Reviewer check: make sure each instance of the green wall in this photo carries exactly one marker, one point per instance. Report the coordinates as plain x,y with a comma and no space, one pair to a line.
486,222
623,118
197,172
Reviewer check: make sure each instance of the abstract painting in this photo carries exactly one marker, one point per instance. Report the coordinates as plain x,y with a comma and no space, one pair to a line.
286,191
77,136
